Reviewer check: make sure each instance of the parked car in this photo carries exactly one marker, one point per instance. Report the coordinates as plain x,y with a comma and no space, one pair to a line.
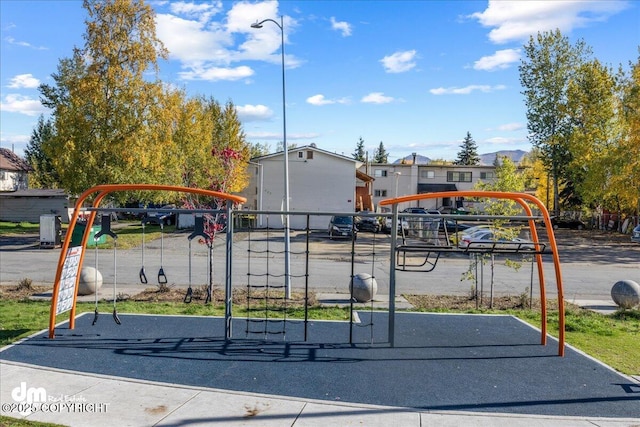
403,224
342,226
456,237
165,215
635,234
368,223
491,239
453,226
574,224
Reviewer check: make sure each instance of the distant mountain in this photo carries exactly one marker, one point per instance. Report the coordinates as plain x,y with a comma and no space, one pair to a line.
485,159
515,155
420,160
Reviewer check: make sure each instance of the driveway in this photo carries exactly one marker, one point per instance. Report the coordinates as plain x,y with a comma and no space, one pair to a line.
591,262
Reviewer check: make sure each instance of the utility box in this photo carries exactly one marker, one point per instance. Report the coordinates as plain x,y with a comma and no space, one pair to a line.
50,231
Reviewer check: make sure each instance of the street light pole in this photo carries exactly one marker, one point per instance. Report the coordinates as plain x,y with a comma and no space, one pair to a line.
287,237
397,178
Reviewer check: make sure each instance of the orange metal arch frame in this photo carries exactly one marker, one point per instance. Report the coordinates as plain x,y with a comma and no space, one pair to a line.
102,191
521,199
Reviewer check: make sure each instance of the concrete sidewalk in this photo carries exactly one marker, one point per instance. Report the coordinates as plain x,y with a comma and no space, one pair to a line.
94,400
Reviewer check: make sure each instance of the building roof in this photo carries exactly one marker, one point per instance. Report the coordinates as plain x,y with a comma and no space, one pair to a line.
10,161
305,148
35,192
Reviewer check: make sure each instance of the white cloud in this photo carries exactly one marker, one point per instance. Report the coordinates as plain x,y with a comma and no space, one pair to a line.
319,100
307,135
13,41
342,26
250,113
278,136
376,98
24,81
499,60
213,74
15,103
265,135
499,140
517,20
399,62
466,90
510,127
206,45
201,11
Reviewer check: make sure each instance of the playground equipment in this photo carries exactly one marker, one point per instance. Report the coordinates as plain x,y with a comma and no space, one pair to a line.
198,230
142,274
521,199
64,296
263,280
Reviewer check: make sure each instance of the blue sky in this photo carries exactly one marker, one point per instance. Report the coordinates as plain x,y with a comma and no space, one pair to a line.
416,75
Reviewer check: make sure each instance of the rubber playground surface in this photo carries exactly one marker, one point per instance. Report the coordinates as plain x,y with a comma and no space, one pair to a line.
478,363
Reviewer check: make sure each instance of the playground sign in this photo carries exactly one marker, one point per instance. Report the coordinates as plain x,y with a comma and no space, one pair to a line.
68,279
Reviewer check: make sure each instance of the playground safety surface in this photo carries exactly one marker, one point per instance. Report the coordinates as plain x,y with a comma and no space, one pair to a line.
440,362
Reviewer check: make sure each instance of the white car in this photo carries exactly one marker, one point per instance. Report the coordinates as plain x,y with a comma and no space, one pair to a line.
484,239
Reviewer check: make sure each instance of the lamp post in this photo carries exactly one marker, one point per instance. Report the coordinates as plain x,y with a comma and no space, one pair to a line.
287,239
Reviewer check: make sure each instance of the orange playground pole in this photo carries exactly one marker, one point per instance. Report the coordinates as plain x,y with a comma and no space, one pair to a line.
521,199
102,191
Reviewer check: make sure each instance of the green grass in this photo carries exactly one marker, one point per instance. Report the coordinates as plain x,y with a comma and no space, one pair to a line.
18,227
13,422
129,232
614,340
19,319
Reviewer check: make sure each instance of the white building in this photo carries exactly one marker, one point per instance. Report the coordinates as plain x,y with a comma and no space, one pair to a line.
395,180
13,171
319,181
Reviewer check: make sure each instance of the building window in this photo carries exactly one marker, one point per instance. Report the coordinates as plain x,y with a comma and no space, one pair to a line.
458,176
379,172
300,155
487,175
427,174
309,154
3,176
380,193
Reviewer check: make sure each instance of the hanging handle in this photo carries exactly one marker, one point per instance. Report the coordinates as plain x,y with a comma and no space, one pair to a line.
143,276
162,278
189,296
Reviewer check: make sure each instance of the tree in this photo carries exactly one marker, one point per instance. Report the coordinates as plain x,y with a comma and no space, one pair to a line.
258,149
549,65
44,175
591,107
468,154
112,119
359,154
510,180
626,182
380,155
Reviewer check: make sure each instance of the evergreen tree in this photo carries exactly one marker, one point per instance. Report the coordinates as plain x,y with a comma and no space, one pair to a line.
44,175
468,154
380,155
359,154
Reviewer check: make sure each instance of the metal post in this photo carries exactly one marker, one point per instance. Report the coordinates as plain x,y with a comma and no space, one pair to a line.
287,237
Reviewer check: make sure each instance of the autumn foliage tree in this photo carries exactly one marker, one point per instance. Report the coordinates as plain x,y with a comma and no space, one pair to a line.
112,121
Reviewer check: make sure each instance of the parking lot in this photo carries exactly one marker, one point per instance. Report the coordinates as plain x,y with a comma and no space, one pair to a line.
591,262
